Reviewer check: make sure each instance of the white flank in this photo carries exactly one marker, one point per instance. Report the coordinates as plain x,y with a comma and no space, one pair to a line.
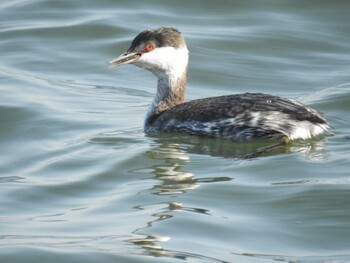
283,123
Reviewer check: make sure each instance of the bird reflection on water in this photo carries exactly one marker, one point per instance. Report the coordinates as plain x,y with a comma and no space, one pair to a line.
169,159
313,149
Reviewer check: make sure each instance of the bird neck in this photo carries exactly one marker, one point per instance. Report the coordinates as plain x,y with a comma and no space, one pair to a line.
170,92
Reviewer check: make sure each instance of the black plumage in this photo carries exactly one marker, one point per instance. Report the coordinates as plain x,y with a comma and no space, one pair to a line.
233,116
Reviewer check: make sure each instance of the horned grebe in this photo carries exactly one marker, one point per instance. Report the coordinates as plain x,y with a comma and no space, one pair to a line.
240,117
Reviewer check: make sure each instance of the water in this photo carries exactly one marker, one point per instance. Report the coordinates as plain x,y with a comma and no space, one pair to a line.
80,182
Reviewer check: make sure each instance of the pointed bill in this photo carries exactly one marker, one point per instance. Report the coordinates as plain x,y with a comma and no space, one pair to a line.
125,58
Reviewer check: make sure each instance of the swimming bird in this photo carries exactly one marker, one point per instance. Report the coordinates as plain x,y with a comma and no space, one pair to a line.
240,117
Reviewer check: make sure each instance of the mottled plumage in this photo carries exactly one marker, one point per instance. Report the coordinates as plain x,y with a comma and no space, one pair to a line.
239,117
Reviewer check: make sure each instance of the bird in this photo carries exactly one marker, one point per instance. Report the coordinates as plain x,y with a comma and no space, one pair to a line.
238,117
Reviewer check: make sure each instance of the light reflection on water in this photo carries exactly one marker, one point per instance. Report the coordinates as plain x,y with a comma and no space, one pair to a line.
79,180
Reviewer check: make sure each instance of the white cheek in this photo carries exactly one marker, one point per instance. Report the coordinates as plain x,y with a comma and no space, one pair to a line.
165,61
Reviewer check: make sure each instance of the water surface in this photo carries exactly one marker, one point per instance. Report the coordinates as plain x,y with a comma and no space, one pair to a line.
81,182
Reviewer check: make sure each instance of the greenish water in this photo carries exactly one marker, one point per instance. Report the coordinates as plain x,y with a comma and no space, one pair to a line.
80,181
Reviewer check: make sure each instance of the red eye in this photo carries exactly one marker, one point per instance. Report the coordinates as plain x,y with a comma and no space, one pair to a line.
148,47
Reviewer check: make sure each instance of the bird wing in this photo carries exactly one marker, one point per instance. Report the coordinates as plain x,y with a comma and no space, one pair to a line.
240,117
231,106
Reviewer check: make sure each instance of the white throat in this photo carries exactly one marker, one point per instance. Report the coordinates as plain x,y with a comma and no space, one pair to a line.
170,66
